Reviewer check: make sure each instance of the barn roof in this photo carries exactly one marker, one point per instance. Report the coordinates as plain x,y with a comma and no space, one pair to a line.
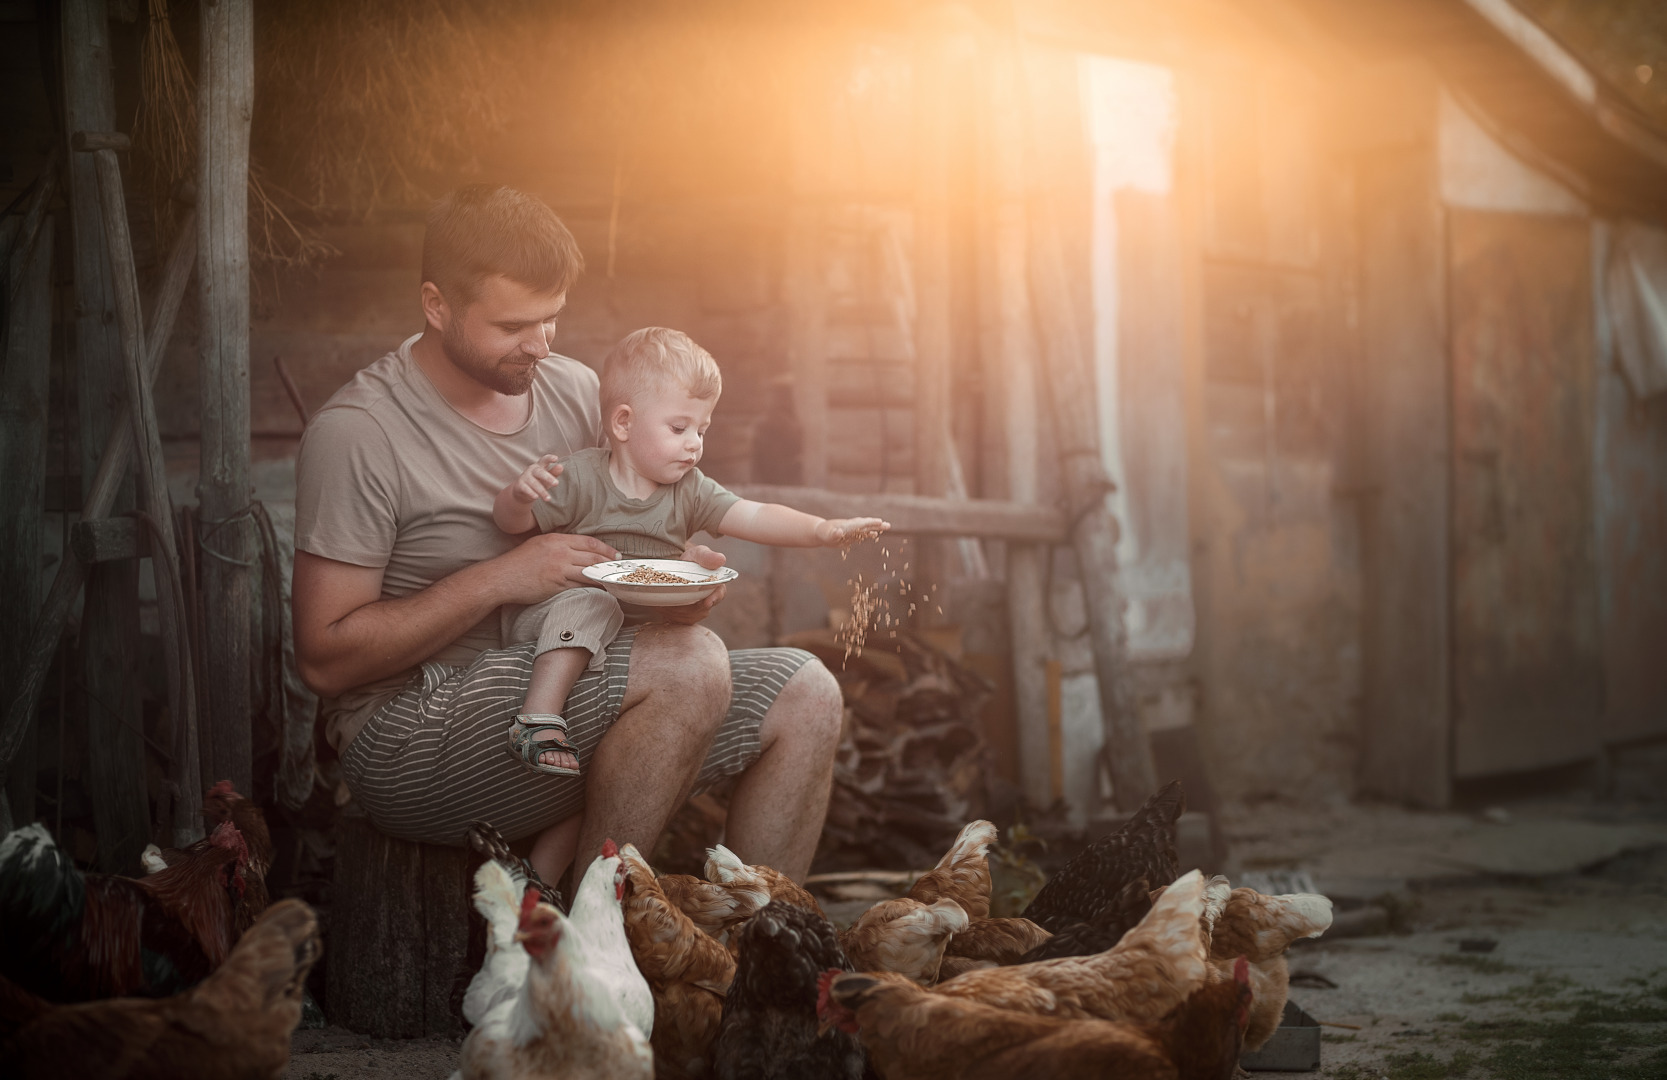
1552,105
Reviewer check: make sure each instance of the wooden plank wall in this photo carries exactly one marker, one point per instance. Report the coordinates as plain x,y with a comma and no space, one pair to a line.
1406,533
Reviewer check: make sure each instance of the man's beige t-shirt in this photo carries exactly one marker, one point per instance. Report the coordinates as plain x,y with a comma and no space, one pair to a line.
390,475
587,502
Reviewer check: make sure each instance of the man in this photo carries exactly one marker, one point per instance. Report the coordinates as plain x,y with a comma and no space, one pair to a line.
400,572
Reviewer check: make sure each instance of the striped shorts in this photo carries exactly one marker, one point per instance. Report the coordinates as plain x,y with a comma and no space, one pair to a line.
437,756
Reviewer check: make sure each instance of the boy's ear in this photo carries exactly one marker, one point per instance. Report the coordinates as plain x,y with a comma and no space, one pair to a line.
619,423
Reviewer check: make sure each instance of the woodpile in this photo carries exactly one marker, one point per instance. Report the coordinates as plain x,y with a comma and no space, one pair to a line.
910,767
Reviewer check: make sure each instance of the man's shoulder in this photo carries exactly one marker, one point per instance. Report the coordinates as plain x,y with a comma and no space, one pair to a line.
374,384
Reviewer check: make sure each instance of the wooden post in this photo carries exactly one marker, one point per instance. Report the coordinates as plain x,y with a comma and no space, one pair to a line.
808,336
110,615
1094,531
153,481
1014,377
23,408
101,492
225,84
932,333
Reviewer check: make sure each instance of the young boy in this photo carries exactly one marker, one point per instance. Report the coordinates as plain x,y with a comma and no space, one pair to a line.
643,496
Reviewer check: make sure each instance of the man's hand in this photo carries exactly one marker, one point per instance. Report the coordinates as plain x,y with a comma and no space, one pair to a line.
691,614
544,565
537,479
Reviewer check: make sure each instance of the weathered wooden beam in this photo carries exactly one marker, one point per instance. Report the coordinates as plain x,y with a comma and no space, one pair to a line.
153,489
225,101
1070,380
1013,368
24,382
107,480
88,141
109,539
109,638
930,262
920,515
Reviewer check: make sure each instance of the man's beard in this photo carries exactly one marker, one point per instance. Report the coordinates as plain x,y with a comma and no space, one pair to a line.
508,374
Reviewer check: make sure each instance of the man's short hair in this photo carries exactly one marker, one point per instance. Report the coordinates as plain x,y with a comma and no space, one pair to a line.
653,358
478,231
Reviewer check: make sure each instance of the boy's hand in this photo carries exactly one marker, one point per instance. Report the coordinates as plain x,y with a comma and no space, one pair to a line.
843,532
537,479
690,614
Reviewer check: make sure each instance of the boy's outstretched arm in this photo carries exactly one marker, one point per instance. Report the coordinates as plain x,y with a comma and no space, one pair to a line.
783,526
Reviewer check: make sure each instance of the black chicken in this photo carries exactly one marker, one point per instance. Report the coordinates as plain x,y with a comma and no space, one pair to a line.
1144,847
1100,933
769,1022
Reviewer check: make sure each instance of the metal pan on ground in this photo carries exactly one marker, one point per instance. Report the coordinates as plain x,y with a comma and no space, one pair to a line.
658,582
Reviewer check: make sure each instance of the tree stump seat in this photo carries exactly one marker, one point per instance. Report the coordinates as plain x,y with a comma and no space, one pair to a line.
397,949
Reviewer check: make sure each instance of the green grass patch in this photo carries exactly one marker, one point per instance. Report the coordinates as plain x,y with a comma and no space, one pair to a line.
1599,1041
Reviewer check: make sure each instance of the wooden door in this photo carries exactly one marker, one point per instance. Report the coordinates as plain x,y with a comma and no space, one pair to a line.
1527,670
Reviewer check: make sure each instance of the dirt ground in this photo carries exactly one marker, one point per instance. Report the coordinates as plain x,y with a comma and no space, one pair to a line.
1568,899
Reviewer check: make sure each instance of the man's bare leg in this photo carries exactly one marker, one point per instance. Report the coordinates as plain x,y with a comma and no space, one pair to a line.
554,848
645,766
777,807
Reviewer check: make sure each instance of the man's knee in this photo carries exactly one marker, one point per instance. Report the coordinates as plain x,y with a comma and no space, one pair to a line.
810,708
689,661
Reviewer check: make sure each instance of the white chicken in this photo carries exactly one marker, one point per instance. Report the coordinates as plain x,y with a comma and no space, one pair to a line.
557,995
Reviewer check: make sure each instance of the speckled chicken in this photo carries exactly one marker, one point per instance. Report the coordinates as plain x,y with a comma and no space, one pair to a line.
769,1018
687,969
1104,930
1143,847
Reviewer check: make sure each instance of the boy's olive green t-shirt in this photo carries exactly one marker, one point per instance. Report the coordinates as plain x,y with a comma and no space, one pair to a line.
586,502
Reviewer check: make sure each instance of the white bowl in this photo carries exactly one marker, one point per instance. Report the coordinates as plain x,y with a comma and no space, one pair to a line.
702,582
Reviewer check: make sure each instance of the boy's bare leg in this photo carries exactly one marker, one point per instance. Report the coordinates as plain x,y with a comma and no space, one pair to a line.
553,850
777,807
675,699
554,674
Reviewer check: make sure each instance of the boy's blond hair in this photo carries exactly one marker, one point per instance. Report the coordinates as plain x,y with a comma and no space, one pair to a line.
654,358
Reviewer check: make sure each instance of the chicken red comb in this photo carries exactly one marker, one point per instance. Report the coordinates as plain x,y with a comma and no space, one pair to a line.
227,835
529,900
221,790
610,850
1241,971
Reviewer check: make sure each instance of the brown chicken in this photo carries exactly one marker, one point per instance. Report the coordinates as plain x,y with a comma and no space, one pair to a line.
235,1024
1260,928
963,874
221,804
999,941
921,1035
717,907
1153,969
904,936
687,969
724,868
71,936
